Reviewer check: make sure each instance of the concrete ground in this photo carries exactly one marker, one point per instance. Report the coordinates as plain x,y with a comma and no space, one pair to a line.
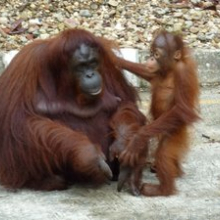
198,196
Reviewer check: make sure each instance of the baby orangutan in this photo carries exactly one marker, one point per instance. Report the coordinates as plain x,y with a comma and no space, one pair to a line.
172,73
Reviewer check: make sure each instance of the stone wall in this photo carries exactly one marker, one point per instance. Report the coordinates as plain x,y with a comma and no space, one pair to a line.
208,66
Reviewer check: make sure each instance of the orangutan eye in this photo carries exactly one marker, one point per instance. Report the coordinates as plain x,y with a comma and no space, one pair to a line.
156,55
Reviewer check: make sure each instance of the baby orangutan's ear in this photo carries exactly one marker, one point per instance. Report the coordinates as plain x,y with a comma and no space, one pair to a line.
177,55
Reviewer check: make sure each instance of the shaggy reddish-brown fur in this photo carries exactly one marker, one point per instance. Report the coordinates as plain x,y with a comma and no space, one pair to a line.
48,137
172,73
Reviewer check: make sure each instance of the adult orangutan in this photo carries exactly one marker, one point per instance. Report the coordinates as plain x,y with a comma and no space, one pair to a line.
58,97
172,73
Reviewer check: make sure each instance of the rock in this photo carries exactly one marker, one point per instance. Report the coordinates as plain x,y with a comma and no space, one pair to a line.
178,14
85,13
195,1
119,26
188,24
201,37
125,21
177,27
35,21
210,36
196,14
94,6
112,12
23,39
162,11
33,6
113,3
70,23
8,57
4,20
44,36
194,30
